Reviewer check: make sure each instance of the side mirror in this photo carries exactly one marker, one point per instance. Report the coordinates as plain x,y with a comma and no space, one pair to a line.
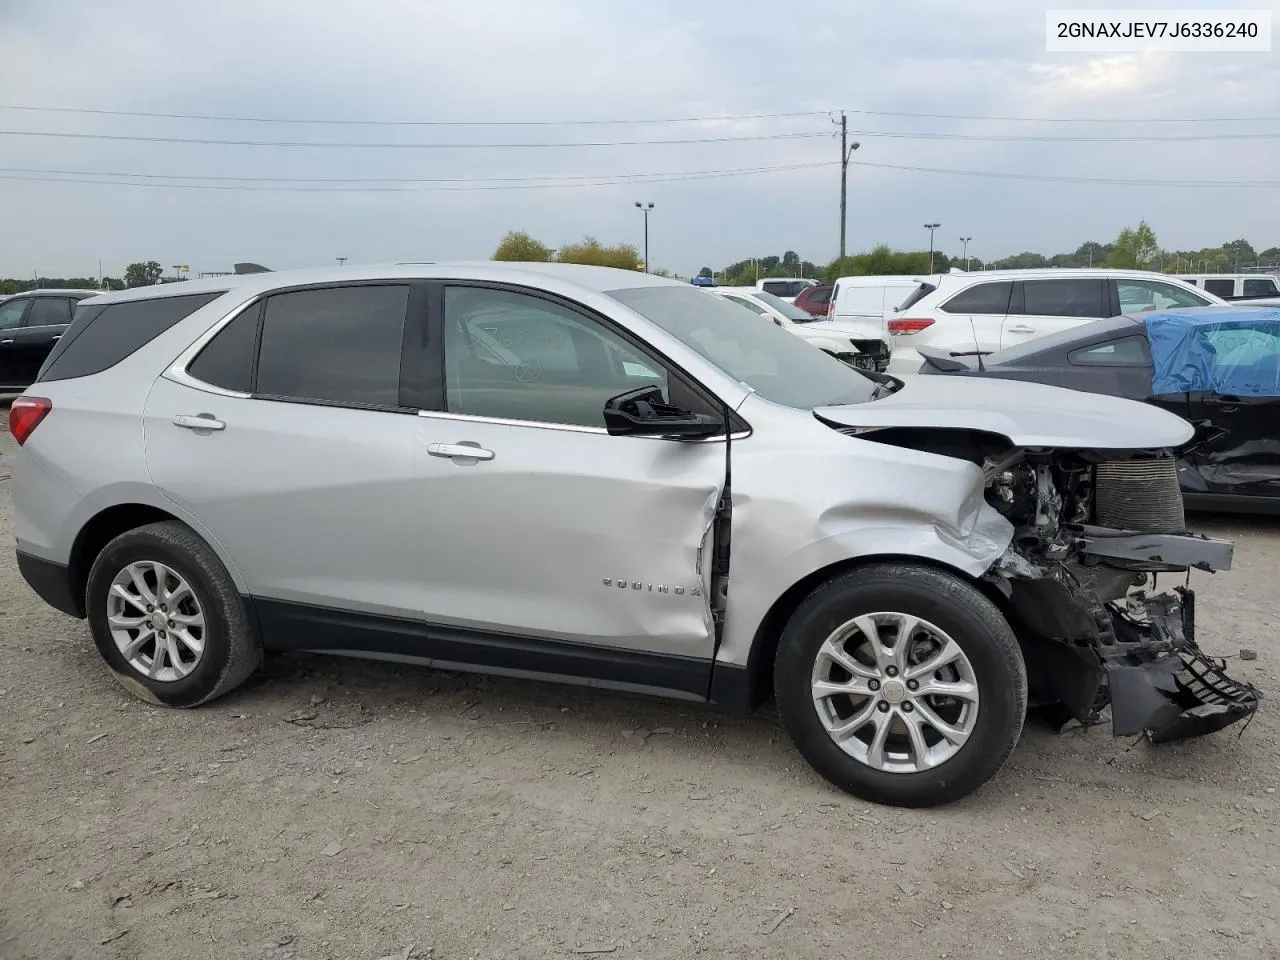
643,413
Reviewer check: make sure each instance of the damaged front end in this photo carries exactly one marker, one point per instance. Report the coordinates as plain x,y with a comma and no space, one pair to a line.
1094,531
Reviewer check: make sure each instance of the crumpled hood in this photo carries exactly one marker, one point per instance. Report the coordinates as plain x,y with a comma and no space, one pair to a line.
1029,414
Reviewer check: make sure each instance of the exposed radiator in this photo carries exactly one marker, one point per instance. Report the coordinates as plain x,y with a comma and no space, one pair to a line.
1138,494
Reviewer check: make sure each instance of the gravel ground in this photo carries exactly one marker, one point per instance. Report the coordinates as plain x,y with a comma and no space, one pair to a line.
360,810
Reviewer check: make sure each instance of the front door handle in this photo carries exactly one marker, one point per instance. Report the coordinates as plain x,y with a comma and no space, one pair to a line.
203,421
58,337
1021,328
466,450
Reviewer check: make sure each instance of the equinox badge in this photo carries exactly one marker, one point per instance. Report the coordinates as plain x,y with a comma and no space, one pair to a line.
622,584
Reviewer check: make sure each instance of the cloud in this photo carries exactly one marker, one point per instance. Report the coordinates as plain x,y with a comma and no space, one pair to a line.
573,59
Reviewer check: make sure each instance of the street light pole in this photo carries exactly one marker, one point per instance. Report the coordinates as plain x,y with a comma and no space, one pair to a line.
846,151
931,227
645,210
964,252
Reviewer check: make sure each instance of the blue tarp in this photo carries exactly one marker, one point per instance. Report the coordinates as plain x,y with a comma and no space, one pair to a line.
1233,351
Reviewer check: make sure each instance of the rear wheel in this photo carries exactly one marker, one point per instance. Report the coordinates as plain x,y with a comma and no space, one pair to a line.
167,619
901,684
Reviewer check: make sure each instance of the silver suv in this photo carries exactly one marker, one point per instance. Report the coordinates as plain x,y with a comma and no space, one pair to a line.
607,478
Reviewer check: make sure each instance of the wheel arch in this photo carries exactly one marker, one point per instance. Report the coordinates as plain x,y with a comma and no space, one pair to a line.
758,681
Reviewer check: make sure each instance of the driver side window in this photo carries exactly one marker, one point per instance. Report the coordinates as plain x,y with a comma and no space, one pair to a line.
514,356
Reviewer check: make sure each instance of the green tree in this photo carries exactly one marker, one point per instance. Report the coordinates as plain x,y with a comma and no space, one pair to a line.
143,274
706,272
1269,256
519,246
591,251
1135,248
1241,253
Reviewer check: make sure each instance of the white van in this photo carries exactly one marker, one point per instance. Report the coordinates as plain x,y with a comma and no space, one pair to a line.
1234,286
788,288
869,301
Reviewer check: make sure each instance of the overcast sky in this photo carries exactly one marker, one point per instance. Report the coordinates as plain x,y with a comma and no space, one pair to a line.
558,60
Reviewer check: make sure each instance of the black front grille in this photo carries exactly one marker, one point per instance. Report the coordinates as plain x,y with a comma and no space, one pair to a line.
1139,494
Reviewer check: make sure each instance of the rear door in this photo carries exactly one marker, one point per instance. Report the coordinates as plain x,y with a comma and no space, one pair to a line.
45,323
584,549
287,439
1040,307
975,317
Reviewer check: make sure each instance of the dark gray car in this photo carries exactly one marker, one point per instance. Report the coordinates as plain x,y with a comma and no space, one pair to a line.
1234,462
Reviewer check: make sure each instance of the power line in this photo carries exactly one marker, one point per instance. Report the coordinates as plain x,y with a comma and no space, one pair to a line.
377,180
404,146
409,123
330,121
452,186
1110,181
1007,119
1041,138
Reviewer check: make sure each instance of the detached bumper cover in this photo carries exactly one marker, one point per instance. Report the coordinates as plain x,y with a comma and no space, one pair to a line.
1165,686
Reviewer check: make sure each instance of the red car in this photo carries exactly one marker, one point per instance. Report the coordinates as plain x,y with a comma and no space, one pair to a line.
814,300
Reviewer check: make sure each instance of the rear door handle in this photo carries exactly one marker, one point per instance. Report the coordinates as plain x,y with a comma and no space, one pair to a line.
201,421
58,337
6,341
1021,328
466,450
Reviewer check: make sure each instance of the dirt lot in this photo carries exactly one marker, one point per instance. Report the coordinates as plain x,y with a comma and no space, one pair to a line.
361,810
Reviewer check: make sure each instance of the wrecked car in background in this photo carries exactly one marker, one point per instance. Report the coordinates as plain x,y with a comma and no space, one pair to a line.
593,476
1218,367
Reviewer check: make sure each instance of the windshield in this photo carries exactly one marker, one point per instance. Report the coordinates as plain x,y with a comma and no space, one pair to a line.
788,310
776,364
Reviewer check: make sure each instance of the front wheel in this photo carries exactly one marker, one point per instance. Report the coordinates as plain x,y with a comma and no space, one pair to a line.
901,684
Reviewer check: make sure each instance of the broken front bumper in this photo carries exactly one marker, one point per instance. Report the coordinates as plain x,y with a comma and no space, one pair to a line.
1164,685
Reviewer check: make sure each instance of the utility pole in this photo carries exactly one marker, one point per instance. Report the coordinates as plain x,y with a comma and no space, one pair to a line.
341,260
645,210
964,252
931,227
846,151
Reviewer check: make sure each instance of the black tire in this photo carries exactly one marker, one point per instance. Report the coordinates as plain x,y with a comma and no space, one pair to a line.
231,651
954,606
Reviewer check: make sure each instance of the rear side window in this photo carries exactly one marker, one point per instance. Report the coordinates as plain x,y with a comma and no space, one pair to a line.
1125,352
1064,298
819,297
1221,288
916,295
49,312
227,360
101,336
992,298
337,345
1260,287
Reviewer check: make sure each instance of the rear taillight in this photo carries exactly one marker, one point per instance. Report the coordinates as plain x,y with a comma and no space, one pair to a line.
906,327
25,415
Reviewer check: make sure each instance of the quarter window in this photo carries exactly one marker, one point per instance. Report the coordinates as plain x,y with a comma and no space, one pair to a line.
984,298
227,360
1076,297
11,313
1124,352
513,356
1139,296
338,345
1260,287
49,312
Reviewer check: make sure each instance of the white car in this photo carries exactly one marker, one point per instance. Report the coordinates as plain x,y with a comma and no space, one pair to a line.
837,339
788,288
1235,286
869,301
980,313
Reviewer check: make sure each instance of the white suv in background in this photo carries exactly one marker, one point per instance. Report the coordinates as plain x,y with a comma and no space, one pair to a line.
1235,286
993,310
847,342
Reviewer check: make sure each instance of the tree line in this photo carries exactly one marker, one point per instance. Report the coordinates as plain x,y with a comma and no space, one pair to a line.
144,273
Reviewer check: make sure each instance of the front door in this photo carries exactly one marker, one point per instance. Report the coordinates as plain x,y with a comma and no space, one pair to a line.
300,465
536,523
1041,307
1241,455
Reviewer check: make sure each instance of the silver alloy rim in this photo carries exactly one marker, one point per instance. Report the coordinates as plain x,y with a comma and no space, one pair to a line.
895,692
156,621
